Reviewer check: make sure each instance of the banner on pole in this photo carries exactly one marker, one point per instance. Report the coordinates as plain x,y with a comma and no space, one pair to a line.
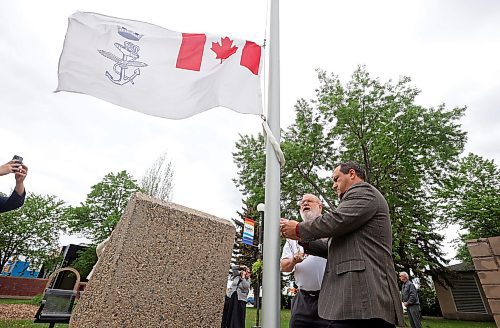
248,231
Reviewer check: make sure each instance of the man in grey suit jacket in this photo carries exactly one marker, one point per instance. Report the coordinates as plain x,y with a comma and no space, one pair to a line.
359,288
409,296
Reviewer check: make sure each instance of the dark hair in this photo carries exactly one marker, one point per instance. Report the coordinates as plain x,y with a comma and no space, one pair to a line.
351,165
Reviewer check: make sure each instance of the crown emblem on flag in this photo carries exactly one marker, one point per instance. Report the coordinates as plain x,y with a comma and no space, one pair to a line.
130,54
131,35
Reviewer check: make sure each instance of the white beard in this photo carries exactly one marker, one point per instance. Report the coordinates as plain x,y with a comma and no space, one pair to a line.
309,215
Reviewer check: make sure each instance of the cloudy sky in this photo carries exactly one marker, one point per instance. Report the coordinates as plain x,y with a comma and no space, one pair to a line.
450,49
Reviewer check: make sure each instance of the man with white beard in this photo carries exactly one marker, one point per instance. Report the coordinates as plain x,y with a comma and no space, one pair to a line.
308,271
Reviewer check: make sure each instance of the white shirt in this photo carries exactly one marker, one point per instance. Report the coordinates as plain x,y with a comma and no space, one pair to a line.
308,273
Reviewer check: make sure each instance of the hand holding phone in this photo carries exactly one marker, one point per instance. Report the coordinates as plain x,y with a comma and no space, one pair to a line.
18,159
12,166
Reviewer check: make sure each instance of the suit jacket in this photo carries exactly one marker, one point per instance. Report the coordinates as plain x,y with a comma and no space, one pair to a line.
11,203
409,294
360,279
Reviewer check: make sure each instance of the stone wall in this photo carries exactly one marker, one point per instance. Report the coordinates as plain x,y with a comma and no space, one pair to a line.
485,254
21,288
165,265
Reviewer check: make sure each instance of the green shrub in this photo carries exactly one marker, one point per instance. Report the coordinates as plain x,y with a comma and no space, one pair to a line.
429,301
37,299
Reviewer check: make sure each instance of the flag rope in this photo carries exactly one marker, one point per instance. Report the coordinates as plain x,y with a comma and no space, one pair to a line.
276,146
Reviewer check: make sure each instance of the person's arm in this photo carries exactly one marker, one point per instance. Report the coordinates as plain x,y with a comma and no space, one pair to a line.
20,175
244,289
13,202
356,208
290,256
16,199
235,270
20,171
412,295
245,284
286,258
317,247
9,167
288,264
233,286
3,200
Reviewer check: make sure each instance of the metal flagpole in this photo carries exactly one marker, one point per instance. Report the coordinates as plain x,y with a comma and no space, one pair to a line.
271,287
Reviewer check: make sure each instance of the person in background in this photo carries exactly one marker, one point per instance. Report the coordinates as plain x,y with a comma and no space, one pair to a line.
235,303
409,296
308,272
16,199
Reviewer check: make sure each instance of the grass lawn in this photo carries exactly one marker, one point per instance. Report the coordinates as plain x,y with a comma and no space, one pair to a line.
428,322
250,322
12,301
23,323
436,322
251,313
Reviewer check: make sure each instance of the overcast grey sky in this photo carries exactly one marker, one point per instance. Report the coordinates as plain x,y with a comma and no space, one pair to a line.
450,49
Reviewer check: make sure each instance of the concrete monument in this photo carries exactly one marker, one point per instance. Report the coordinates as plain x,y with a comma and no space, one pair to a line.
165,265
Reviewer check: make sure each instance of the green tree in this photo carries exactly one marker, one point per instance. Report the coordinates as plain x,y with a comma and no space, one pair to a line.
245,254
429,303
96,218
406,149
85,261
98,215
250,160
470,198
32,231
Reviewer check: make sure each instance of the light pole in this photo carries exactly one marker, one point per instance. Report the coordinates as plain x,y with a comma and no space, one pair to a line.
261,207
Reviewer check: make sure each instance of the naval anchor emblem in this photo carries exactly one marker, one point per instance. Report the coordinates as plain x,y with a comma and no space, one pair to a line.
130,52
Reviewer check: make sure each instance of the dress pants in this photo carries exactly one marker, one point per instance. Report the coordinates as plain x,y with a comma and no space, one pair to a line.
305,311
414,316
361,323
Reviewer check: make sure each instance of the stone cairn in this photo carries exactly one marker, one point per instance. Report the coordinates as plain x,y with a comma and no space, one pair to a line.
165,265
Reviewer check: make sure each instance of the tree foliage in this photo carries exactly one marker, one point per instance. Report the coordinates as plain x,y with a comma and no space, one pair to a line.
406,150
245,254
470,198
97,216
158,179
32,231
85,261
429,302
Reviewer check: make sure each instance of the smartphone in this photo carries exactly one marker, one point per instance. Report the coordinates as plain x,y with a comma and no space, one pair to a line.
18,159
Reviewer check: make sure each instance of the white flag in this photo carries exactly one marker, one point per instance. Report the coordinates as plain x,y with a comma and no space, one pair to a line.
152,70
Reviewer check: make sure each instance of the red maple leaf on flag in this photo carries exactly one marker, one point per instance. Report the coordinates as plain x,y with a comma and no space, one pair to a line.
224,49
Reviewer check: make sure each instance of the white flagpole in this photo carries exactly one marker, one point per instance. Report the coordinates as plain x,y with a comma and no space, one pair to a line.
271,287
